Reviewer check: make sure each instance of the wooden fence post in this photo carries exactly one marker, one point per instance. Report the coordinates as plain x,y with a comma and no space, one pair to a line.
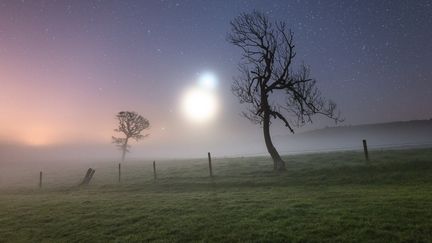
210,165
88,176
119,170
154,169
40,179
365,150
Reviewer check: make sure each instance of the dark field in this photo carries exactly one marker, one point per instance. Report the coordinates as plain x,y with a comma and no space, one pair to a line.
322,197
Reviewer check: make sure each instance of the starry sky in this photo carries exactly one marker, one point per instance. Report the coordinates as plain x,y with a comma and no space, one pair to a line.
67,67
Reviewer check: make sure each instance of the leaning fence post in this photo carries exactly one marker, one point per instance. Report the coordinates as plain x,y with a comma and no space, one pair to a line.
366,153
119,172
154,169
40,179
88,176
210,164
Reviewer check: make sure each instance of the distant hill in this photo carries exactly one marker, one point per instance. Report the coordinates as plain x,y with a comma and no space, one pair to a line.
417,133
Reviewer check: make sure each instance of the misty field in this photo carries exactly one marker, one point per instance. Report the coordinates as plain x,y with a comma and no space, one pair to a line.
321,197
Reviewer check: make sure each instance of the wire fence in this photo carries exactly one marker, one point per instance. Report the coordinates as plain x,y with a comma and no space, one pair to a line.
116,172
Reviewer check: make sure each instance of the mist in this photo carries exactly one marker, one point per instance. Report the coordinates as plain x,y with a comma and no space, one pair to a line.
215,121
64,165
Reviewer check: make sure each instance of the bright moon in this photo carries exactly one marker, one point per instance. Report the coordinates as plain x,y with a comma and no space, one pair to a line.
199,105
208,80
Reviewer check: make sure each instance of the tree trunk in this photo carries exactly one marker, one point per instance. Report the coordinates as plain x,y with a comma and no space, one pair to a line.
278,163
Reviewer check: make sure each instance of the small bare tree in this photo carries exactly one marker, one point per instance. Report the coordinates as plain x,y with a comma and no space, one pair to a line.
131,124
268,83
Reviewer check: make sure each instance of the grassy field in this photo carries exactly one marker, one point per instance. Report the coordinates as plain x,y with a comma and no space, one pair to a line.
322,197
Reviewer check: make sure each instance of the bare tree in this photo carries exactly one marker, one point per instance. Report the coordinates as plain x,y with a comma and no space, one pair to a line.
268,84
131,124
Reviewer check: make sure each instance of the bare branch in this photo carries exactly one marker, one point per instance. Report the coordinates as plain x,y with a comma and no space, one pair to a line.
266,67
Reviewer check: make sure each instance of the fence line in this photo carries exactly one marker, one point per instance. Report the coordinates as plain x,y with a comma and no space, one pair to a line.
361,146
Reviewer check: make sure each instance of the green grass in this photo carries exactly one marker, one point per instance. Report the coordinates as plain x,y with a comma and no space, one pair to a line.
321,198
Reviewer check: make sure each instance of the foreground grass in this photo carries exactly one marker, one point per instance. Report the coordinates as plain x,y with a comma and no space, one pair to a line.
322,197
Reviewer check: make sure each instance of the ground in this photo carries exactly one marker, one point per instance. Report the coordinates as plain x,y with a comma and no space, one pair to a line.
320,198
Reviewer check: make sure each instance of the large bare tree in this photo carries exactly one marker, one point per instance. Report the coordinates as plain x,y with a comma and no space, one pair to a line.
268,83
131,124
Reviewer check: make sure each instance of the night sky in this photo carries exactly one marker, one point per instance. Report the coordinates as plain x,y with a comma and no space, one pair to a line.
67,67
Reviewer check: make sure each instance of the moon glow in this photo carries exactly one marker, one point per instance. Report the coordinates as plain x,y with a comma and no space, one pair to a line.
199,105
